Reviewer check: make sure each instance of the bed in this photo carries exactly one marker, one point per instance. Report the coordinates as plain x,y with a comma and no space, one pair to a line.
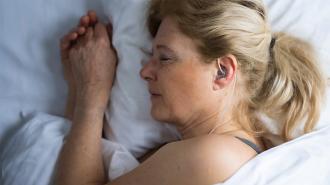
33,92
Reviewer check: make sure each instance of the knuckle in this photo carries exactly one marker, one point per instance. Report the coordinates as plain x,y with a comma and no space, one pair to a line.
102,41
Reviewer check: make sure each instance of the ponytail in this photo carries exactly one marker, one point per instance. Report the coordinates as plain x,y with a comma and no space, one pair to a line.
294,86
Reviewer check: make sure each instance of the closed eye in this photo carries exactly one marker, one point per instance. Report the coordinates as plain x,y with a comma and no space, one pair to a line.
165,59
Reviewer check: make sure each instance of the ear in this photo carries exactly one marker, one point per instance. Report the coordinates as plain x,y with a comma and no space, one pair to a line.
228,64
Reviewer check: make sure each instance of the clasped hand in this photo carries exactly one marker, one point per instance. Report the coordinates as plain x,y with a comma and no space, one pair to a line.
89,59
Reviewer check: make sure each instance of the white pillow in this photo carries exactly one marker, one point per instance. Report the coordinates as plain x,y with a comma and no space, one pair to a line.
303,161
128,114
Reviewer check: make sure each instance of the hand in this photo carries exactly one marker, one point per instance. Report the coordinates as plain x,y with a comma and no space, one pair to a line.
88,59
68,41
93,60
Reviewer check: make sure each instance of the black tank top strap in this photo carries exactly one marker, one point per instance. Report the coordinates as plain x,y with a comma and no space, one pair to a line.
250,144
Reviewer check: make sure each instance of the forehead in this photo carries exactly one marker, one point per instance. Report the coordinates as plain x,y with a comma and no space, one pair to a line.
168,27
171,36
169,32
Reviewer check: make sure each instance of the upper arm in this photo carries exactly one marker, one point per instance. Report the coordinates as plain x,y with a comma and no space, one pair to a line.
206,160
165,167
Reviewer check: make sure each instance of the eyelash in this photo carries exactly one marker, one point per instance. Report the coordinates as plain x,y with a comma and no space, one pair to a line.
162,58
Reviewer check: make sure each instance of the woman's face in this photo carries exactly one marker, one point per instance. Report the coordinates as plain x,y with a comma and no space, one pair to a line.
180,83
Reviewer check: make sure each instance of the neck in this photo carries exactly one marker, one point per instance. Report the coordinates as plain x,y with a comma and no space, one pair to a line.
209,124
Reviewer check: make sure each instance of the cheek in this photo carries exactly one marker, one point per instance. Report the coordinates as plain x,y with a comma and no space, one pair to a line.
189,86
184,94
166,108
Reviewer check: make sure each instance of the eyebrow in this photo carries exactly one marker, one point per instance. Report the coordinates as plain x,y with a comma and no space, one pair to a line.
164,47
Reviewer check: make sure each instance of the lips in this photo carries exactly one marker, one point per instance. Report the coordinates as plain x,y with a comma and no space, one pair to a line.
153,93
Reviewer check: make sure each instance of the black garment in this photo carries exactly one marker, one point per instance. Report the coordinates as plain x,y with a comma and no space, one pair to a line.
252,145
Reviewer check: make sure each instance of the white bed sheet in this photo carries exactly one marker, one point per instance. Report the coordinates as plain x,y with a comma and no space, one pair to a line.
30,155
303,161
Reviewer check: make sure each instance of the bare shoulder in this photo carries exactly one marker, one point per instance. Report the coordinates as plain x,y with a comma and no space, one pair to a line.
201,160
217,157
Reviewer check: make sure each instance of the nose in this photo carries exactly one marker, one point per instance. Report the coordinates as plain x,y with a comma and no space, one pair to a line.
148,71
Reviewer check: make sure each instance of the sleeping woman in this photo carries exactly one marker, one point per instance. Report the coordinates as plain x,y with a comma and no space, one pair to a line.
214,65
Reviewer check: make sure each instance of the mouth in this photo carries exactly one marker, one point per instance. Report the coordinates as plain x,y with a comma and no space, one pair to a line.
154,94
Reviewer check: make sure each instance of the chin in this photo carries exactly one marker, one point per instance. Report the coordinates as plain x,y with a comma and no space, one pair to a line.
159,115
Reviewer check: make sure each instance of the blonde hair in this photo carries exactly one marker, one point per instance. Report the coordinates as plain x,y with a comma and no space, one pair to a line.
282,81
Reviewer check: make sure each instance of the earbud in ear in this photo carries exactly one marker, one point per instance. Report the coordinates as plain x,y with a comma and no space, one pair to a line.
222,72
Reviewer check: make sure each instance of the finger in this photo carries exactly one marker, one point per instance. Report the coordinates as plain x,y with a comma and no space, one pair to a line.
100,30
84,21
93,17
66,40
89,33
81,30
73,36
87,37
64,44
